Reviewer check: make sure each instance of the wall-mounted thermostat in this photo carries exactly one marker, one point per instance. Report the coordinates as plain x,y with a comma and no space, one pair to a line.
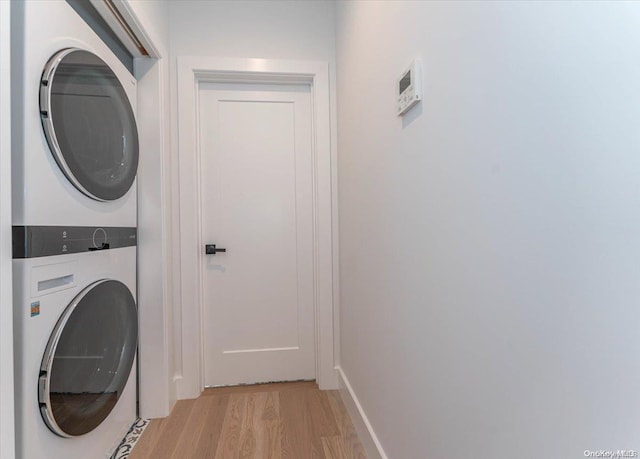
410,87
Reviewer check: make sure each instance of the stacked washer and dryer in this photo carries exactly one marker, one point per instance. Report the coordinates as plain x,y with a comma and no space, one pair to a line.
75,156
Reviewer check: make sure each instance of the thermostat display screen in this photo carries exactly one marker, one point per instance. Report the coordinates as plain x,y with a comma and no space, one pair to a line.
409,87
405,82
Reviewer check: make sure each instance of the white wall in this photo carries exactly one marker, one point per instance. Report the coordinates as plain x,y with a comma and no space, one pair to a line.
155,254
247,29
7,441
268,29
490,275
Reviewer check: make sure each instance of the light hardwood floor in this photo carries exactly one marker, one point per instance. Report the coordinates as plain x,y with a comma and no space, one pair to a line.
267,421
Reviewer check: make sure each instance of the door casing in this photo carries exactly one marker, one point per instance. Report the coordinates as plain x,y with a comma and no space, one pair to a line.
192,70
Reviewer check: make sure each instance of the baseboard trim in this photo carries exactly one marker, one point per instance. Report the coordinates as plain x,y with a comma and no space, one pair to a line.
368,437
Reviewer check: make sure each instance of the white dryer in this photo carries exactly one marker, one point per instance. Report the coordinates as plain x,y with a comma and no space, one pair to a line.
76,333
75,151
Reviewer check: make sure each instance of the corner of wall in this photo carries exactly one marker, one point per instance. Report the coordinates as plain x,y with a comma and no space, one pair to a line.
7,438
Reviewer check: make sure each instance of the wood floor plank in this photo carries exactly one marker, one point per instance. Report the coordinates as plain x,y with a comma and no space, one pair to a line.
252,434
271,418
323,420
272,440
172,430
272,407
231,428
334,447
297,439
207,442
247,438
320,420
193,428
354,449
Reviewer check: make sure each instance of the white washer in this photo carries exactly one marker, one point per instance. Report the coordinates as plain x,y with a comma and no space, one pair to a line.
75,343
75,143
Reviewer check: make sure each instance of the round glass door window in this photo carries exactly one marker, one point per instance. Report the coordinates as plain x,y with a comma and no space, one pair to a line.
88,358
89,124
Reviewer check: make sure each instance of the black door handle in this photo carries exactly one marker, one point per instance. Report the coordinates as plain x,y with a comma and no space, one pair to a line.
211,249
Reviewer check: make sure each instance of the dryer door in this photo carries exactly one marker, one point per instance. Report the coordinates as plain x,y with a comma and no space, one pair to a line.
88,358
89,124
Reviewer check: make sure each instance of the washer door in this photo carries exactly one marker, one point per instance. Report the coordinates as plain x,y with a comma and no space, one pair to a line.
88,358
89,124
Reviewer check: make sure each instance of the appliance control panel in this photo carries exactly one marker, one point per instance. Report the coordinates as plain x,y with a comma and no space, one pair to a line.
45,241
409,88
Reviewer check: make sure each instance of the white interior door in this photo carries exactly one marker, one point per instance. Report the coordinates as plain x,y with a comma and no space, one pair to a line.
256,189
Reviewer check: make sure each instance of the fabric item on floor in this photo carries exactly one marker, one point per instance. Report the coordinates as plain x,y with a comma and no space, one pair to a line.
128,442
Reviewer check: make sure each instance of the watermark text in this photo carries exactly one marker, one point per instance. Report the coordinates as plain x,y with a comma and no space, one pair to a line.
611,453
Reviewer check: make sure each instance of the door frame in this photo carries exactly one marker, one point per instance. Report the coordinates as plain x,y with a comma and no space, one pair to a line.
192,70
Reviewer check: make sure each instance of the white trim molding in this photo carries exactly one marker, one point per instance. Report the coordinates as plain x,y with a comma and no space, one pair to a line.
154,251
367,436
155,245
193,70
125,23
